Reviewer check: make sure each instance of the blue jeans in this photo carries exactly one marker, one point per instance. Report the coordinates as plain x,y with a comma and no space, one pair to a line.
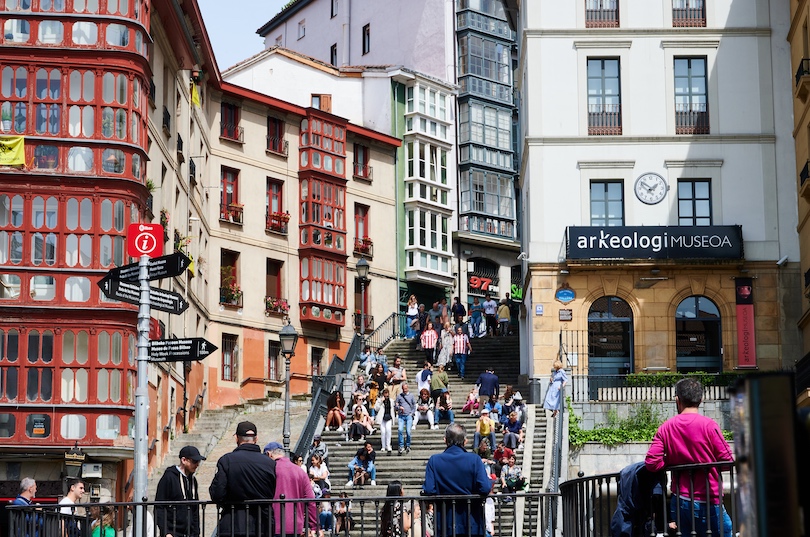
475,326
326,520
409,332
701,511
405,422
442,414
477,440
372,472
461,361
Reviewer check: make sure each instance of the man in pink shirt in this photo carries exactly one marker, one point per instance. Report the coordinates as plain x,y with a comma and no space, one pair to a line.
691,438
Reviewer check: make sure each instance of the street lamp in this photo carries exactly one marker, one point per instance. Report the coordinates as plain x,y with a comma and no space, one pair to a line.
288,338
362,272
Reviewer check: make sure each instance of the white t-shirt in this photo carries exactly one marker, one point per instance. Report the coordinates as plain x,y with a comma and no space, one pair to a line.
490,307
68,503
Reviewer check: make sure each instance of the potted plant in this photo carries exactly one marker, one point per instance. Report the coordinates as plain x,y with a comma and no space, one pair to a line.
276,305
230,292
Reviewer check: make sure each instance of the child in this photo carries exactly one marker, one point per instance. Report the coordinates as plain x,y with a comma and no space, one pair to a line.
472,401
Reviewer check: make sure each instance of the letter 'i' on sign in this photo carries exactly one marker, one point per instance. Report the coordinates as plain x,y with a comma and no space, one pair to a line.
145,239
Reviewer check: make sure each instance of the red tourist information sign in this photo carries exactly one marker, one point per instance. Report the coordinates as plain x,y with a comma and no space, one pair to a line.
145,239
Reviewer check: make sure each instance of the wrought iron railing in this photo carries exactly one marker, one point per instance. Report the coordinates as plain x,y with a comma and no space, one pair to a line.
602,18
368,322
804,174
391,328
167,121
363,171
556,463
231,131
604,119
322,388
691,118
277,222
589,503
803,70
231,212
364,246
229,297
359,516
277,145
689,16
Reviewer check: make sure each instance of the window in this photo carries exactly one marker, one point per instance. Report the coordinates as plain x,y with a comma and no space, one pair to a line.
487,192
333,54
317,358
366,39
323,203
361,167
14,101
273,270
361,221
323,281
601,13
302,29
17,31
117,35
275,136
694,202
274,197
230,208
698,336
230,354
230,293
610,338
607,203
51,32
486,125
322,101
52,5
485,58
334,9
691,102
85,33
275,370
604,97
48,106
229,122
688,13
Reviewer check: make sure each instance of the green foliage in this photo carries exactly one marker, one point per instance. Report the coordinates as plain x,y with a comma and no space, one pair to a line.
640,426
666,379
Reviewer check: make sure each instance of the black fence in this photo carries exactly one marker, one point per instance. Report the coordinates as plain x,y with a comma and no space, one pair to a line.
596,506
438,516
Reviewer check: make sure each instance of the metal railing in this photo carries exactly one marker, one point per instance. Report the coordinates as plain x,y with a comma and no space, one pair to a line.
804,174
231,131
589,381
229,298
364,246
277,222
604,119
359,516
689,16
230,212
277,145
602,18
167,121
368,322
556,463
803,70
691,119
363,171
392,327
322,388
590,503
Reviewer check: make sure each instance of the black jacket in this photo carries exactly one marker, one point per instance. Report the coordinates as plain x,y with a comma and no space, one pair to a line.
179,520
640,497
244,474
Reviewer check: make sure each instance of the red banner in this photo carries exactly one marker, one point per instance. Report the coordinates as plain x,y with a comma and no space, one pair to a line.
746,338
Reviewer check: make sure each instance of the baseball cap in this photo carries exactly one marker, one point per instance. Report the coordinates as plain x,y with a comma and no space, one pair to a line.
245,428
272,446
485,411
190,452
316,437
518,397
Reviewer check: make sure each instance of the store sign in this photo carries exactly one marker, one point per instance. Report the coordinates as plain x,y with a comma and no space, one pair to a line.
655,242
479,282
746,335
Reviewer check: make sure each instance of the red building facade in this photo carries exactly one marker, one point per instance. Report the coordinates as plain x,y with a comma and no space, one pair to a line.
75,82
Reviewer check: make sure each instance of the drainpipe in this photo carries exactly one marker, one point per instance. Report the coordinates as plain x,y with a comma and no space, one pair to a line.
396,184
347,34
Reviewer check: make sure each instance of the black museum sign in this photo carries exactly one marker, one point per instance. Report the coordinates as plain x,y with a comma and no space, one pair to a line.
655,242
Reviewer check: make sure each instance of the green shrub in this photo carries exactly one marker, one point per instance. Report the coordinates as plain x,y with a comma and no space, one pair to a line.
666,379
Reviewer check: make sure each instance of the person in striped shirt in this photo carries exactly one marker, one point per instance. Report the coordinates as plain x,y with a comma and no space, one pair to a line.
461,349
428,340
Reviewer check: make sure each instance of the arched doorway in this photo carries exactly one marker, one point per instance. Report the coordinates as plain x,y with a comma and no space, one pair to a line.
610,337
698,336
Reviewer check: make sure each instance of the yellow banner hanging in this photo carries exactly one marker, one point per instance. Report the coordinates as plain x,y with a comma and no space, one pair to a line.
12,150
195,95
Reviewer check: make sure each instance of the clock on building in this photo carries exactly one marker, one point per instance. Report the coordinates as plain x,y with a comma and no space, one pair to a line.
651,188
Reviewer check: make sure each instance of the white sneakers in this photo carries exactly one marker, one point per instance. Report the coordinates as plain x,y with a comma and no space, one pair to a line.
373,483
349,484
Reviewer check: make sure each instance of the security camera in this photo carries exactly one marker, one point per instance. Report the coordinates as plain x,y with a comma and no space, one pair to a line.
782,261
523,255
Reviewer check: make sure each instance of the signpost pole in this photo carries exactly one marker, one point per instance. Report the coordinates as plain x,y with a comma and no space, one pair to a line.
142,395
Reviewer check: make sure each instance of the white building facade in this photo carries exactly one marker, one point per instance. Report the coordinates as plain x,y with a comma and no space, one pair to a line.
665,123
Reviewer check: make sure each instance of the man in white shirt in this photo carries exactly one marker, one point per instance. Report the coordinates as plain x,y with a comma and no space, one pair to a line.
70,522
490,313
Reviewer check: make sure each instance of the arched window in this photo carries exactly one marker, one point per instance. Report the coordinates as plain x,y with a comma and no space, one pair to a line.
610,337
698,336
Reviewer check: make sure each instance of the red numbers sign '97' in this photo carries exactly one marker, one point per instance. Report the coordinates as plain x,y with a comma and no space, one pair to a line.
145,239
478,282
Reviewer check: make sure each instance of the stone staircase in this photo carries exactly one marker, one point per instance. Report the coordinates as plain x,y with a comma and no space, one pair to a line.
409,468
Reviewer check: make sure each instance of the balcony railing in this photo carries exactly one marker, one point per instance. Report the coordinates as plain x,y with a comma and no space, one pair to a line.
515,514
180,157
277,222
488,225
364,246
602,18
276,145
690,15
363,171
152,93
230,296
231,212
368,322
604,119
807,278
167,122
803,70
231,131
589,503
192,173
804,174
691,119
276,306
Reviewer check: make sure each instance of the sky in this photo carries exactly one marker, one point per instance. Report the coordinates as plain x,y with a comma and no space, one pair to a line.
232,25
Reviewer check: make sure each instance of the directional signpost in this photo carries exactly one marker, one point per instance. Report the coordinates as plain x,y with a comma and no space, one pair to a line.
159,267
175,350
159,299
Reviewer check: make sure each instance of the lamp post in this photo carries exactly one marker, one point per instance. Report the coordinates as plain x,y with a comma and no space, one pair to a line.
288,338
362,272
